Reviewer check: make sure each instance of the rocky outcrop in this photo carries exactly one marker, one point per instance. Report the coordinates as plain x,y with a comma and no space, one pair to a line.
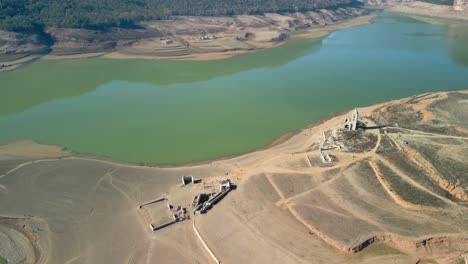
73,41
437,243
20,44
443,244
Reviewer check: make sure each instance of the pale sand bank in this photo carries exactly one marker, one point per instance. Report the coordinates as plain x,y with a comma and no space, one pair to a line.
423,9
73,56
15,64
252,45
225,45
30,149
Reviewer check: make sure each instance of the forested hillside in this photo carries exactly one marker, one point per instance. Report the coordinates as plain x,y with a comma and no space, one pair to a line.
30,15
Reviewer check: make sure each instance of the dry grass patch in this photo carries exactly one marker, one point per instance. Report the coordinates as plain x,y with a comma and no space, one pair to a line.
415,172
406,191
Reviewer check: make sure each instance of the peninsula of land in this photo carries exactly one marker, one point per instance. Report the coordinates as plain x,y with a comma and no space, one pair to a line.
380,184
180,37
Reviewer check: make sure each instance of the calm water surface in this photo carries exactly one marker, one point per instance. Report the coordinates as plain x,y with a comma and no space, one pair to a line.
164,112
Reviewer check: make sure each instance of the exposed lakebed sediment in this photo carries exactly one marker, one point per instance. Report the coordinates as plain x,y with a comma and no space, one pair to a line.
72,204
188,38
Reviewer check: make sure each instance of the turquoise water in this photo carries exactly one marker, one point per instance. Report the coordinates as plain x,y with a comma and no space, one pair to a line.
167,112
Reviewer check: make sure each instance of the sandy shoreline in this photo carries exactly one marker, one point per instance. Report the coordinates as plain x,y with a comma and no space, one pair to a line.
276,142
310,33
32,149
15,64
217,49
73,56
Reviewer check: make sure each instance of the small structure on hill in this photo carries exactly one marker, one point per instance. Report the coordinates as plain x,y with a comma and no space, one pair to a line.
350,136
325,157
203,202
351,124
178,215
166,40
330,139
459,5
225,185
207,37
186,179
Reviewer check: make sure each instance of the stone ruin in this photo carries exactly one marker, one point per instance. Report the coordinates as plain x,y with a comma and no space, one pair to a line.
201,203
186,179
331,139
348,137
326,158
459,5
352,123
205,201
178,214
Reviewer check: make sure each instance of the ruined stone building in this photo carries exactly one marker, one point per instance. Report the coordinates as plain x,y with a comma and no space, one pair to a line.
459,5
351,124
186,179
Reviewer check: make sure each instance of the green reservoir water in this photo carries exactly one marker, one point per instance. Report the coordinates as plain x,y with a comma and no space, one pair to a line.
164,112
3,261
